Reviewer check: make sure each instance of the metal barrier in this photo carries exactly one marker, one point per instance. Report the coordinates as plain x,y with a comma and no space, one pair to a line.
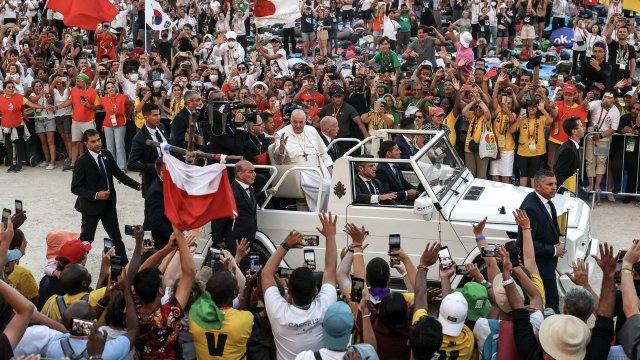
623,160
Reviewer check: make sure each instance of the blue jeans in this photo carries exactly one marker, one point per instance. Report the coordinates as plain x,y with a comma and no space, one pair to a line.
115,144
333,37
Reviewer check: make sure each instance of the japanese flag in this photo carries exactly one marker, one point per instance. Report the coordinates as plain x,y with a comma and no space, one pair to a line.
272,12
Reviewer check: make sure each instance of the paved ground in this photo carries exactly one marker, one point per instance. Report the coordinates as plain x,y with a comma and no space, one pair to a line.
49,203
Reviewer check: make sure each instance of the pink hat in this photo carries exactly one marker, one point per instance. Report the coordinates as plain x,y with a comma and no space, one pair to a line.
55,239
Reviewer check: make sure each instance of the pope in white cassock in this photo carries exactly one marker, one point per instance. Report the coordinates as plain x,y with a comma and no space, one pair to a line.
300,144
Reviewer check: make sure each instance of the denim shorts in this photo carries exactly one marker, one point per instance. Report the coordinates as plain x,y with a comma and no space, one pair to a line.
503,33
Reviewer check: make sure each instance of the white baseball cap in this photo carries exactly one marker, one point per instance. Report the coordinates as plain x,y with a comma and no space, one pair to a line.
453,313
466,38
231,35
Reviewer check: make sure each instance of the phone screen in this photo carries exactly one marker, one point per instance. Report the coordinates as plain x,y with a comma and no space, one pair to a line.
284,272
310,240
461,270
357,285
513,251
81,327
6,214
618,275
445,257
254,263
147,241
18,206
394,242
489,251
310,259
116,267
108,244
128,230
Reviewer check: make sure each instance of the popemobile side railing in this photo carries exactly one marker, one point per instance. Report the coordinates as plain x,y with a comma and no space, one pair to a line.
622,156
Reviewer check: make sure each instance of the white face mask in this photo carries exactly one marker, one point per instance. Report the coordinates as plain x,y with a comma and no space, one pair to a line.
231,44
133,77
213,78
243,75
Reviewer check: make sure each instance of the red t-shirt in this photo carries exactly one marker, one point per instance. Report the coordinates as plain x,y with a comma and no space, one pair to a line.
80,112
105,43
118,105
11,110
556,133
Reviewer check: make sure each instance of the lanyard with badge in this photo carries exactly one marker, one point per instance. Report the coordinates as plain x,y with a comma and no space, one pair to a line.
533,137
622,57
114,121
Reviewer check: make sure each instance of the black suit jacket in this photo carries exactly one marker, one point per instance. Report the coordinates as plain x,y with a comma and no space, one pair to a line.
363,195
142,158
333,151
407,150
568,161
246,224
393,182
87,181
154,219
179,127
545,233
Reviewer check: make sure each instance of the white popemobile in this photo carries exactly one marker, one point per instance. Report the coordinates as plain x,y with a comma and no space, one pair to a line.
451,201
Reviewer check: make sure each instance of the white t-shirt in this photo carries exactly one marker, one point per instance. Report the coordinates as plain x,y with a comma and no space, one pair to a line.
390,28
601,119
35,340
115,349
281,61
366,5
294,329
482,330
325,354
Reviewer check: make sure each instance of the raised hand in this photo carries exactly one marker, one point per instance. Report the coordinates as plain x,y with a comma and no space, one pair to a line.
357,234
507,267
580,275
293,239
242,248
328,222
607,260
521,218
430,254
633,255
479,227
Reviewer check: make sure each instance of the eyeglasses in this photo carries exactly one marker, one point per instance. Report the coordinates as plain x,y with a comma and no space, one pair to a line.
419,117
242,68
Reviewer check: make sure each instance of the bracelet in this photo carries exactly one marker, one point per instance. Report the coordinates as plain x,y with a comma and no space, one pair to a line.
95,357
366,316
405,274
480,238
507,282
423,267
626,271
285,246
525,229
358,253
484,282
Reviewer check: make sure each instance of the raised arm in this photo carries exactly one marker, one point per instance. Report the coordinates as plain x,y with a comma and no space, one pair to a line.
188,269
428,258
269,271
328,222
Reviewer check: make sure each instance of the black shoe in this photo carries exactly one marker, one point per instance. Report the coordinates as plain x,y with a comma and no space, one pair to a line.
67,167
18,168
11,168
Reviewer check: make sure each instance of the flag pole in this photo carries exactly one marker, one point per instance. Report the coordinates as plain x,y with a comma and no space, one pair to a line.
197,153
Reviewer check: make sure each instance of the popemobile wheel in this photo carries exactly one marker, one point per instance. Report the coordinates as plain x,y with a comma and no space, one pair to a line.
33,161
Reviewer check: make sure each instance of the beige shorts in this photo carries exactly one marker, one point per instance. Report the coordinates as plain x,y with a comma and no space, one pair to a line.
527,32
79,127
323,35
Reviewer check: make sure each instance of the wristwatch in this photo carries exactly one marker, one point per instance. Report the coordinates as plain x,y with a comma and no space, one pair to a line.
285,246
507,282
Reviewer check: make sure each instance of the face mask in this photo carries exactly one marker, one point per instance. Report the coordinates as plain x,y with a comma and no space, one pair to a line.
133,77
243,75
213,78
231,44
156,76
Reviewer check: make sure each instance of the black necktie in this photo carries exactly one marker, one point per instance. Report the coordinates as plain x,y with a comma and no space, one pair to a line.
372,189
103,170
251,196
398,173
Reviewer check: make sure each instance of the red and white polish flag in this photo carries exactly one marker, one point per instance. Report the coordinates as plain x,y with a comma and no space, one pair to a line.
195,195
273,12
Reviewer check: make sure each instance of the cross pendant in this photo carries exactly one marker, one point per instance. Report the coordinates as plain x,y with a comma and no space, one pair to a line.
305,156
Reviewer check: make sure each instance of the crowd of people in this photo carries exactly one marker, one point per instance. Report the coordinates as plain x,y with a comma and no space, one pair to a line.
344,70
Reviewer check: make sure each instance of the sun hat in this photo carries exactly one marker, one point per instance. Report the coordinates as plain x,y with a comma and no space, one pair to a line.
564,337
56,238
337,325
465,39
231,35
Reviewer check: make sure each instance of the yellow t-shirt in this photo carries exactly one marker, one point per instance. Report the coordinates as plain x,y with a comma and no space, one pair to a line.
475,126
451,121
175,107
139,119
417,315
504,137
537,281
462,345
532,134
51,310
229,342
23,280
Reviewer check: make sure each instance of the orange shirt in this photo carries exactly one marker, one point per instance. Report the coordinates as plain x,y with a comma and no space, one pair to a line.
116,107
11,110
82,113
556,133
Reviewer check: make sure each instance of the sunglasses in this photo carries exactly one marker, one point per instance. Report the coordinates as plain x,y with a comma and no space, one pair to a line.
419,117
242,68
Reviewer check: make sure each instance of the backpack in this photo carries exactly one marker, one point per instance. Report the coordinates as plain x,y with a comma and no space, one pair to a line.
62,306
490,348
70,353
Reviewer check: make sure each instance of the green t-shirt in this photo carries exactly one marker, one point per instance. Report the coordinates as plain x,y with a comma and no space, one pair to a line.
388,62
405,22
